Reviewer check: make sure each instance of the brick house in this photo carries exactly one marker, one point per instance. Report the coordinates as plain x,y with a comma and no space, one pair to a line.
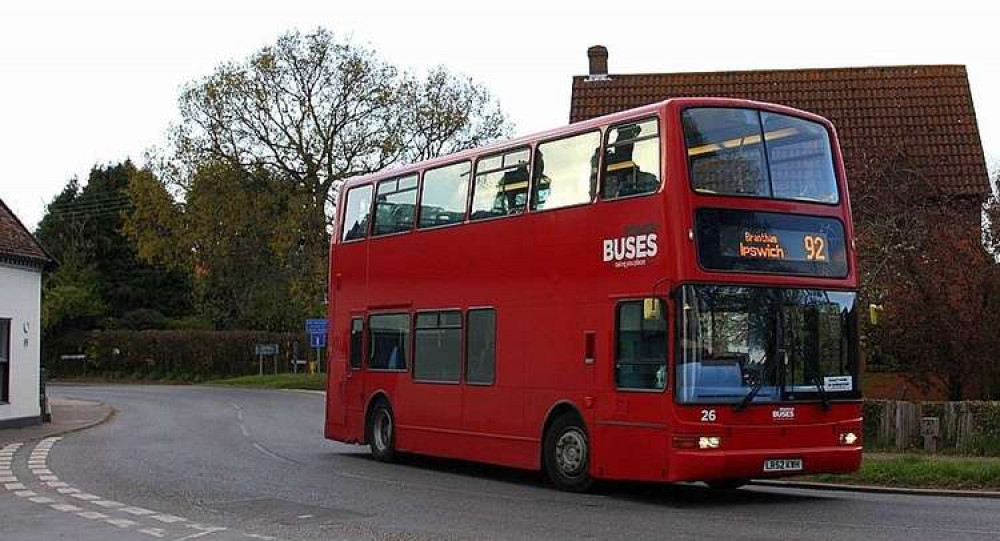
22,260
925,112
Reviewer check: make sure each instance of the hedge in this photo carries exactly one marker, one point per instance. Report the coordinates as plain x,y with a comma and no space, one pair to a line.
187,355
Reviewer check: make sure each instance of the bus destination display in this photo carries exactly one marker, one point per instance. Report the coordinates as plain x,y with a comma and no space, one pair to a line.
744,240
780,244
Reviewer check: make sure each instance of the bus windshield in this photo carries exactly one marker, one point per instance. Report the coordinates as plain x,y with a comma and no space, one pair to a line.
755,153
772,344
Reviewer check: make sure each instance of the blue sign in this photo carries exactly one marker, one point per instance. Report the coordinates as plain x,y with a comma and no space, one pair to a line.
316,326
317,341
317,330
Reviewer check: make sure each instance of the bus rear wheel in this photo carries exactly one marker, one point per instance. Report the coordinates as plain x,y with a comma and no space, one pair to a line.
567,454
382,432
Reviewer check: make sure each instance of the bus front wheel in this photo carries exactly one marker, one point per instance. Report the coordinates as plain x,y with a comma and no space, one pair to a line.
567,454
382,432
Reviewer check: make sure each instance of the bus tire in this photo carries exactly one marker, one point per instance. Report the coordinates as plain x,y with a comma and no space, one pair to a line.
566,452
382,432
727,484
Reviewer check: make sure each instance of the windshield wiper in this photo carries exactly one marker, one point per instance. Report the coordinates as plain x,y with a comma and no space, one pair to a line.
768,370
823,397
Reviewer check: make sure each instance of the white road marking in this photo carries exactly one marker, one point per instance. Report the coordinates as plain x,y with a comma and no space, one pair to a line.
92,515
41,471
86,497
14,486
41,499
26,493
8,479
169,519
200,534
69,490
109,504
121,522
57,484
155,532
138,511
66,507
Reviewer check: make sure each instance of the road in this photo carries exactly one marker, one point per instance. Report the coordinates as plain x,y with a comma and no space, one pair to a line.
222,464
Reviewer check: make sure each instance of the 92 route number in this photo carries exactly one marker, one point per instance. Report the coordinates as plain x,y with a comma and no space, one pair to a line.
815,247
708,416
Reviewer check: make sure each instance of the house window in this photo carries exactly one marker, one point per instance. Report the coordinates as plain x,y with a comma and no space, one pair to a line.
4,360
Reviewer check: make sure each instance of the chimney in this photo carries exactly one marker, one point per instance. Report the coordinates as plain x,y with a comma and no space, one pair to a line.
598,56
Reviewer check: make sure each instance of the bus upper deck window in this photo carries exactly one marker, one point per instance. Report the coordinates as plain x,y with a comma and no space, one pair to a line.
725,152
501,186
759,153
442,196
632,160
356,213
566,171
395,205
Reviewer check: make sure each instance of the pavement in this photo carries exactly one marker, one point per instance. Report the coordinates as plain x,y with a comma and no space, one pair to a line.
185,463
68,415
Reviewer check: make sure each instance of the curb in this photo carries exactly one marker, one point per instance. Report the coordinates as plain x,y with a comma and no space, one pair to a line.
111,412
952,493
305,391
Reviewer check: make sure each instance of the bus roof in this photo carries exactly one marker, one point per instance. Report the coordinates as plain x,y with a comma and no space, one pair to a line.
573,128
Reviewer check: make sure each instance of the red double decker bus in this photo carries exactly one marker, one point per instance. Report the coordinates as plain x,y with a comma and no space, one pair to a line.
663,294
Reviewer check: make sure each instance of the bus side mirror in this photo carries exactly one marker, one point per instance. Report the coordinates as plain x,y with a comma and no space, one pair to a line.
651,309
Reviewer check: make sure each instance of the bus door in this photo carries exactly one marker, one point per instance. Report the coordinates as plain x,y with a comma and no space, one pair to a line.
633,420
354,376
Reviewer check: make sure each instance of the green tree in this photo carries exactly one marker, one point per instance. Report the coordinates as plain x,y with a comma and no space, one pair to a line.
82,228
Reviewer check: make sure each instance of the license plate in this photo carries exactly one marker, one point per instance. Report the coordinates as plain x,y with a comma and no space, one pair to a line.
783,464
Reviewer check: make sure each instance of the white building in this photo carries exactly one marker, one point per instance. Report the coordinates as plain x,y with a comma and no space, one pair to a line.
22,260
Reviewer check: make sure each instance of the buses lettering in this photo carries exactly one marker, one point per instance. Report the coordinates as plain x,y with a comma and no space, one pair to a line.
631,247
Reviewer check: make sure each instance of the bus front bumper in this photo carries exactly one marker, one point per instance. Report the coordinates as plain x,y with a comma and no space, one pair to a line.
718,464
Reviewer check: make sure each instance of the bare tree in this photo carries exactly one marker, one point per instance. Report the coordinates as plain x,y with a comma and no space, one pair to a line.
317,110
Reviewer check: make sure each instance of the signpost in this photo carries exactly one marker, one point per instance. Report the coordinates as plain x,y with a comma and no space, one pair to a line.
267,349
317,330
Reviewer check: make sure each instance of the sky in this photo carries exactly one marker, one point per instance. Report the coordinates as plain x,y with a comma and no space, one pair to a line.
90,83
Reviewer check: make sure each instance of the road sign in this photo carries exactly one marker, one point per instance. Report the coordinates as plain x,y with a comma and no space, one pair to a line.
267,349
317,341
316,326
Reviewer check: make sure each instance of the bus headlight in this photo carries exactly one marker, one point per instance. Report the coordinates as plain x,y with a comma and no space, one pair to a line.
709,442
848,438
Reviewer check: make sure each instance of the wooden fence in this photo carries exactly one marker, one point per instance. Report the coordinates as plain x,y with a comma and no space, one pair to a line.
891,424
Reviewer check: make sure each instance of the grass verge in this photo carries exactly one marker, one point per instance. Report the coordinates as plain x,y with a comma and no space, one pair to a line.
916,471
315,382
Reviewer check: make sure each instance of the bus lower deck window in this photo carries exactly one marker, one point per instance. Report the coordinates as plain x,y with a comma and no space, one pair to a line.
389,341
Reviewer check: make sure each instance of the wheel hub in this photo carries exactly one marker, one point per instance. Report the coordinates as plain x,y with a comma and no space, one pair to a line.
571,452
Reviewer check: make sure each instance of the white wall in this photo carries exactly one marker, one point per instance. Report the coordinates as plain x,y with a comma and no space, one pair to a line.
20,301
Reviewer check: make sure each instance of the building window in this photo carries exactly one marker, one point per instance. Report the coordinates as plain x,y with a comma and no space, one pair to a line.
443,195
566,171
632,160
501,187
641,345
4,360
481,347
357,342
395,205
358,209
438,351
390,338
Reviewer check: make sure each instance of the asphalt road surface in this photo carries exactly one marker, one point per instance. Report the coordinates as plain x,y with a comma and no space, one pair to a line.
215,464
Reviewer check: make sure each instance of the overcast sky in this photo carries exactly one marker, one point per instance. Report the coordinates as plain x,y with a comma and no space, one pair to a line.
85,83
